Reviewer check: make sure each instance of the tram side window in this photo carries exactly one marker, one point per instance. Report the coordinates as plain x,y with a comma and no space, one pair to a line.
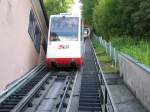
34,31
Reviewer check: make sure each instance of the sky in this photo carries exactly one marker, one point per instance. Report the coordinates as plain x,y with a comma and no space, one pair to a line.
75,7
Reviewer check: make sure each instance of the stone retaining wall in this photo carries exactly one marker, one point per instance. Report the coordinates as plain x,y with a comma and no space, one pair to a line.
137,78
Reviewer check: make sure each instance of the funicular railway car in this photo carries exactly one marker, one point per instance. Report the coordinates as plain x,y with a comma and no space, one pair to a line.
65,41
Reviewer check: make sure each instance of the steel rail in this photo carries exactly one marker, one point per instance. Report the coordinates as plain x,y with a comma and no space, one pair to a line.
26,99
64,94
107,90
71,96
62,100
43,95
20,82
55,76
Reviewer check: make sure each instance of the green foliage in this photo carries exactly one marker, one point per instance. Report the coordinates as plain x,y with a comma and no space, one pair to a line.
122,17
98,50
56,6
141,19
107,65
105,58
105,18
139,50
128,19
126,9
87,10
106,61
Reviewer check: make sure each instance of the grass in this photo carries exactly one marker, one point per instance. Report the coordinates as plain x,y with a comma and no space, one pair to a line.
140,50
105,60
106,63
99,50
109,69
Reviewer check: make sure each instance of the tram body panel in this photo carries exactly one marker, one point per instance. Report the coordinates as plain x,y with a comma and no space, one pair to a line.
64,50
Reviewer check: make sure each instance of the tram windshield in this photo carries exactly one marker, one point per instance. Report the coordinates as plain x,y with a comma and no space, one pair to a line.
64,28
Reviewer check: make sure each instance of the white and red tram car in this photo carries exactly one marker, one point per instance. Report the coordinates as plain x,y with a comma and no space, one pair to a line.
65,41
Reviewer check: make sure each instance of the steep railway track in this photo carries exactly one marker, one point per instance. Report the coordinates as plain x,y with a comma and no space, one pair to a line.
59,91
90,94
36,90
91,97
13,100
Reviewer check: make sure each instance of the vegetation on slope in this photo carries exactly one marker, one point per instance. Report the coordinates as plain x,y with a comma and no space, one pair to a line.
105,60
124,22
122,17
139,50
87,10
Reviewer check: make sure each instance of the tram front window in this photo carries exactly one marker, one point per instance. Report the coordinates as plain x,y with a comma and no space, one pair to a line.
64,28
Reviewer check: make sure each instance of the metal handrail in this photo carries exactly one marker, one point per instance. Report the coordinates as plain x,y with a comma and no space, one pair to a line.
107,90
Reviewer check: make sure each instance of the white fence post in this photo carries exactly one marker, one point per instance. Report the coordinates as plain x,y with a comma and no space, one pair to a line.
115,58
100,40
102,43
105,46
110,49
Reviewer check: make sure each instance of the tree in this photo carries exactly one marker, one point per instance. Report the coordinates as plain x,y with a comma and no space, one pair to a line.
141,19
105,18
122,17
126,9
56,6
87,10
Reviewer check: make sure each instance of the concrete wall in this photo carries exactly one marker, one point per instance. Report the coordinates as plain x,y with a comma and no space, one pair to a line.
17,51
137,78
